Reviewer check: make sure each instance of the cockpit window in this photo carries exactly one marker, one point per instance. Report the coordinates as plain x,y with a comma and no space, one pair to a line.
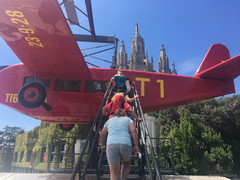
96,86
44,81
67,85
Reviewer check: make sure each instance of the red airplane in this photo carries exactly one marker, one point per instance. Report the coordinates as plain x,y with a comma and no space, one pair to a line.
54,83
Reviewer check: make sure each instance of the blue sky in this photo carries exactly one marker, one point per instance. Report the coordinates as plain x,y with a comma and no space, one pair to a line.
186,28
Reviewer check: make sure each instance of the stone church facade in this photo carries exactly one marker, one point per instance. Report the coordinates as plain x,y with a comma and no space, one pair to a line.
139,60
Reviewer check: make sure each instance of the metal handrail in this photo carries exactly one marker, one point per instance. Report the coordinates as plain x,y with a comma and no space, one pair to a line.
93,146
146,136
99,165
102,152
77,167
100,124
142,135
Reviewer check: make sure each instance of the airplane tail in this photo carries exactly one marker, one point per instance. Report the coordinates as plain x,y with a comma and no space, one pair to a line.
217,64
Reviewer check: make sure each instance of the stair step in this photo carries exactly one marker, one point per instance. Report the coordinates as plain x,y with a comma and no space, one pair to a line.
130,176
134,170
133,167
133,157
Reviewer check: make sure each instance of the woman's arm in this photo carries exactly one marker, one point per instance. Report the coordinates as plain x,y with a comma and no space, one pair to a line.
133,114
103,135
112,79
105,111
133,131
131,99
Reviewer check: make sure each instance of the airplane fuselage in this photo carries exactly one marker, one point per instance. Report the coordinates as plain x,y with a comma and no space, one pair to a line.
75,99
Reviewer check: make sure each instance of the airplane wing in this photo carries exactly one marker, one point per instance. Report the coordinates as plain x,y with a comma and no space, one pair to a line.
226,70
37,32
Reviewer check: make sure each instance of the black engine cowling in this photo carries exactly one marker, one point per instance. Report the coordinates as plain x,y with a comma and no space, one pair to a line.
32,95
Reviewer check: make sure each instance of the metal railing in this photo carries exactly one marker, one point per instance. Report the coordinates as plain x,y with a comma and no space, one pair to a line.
91,139
146,139
145,143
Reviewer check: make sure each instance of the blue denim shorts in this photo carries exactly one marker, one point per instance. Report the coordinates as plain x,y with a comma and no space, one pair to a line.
117,152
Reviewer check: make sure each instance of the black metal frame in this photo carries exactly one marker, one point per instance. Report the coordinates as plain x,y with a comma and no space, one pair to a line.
145,136
94,160
93,37
92,140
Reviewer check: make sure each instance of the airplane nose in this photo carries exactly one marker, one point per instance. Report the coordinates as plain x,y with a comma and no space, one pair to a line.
32,95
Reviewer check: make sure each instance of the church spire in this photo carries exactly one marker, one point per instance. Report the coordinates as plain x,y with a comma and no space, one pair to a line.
122,57
136,30
162,51
122,47
174,71
163,63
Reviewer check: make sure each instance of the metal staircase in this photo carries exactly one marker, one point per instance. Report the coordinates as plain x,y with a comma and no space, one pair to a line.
92,161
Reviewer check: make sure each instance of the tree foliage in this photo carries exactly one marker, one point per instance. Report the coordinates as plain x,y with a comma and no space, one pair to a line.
198,149
221,114
7,141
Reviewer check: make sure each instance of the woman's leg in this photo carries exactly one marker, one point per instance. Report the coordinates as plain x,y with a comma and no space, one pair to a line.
126,152
125,169
113,157
114,171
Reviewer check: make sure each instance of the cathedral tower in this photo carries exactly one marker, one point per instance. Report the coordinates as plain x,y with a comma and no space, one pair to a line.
138,60
163,62
122,58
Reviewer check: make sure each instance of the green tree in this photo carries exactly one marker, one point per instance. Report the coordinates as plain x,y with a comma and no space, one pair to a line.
168,119
223,114
198,149
217,157
7,141
185,146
